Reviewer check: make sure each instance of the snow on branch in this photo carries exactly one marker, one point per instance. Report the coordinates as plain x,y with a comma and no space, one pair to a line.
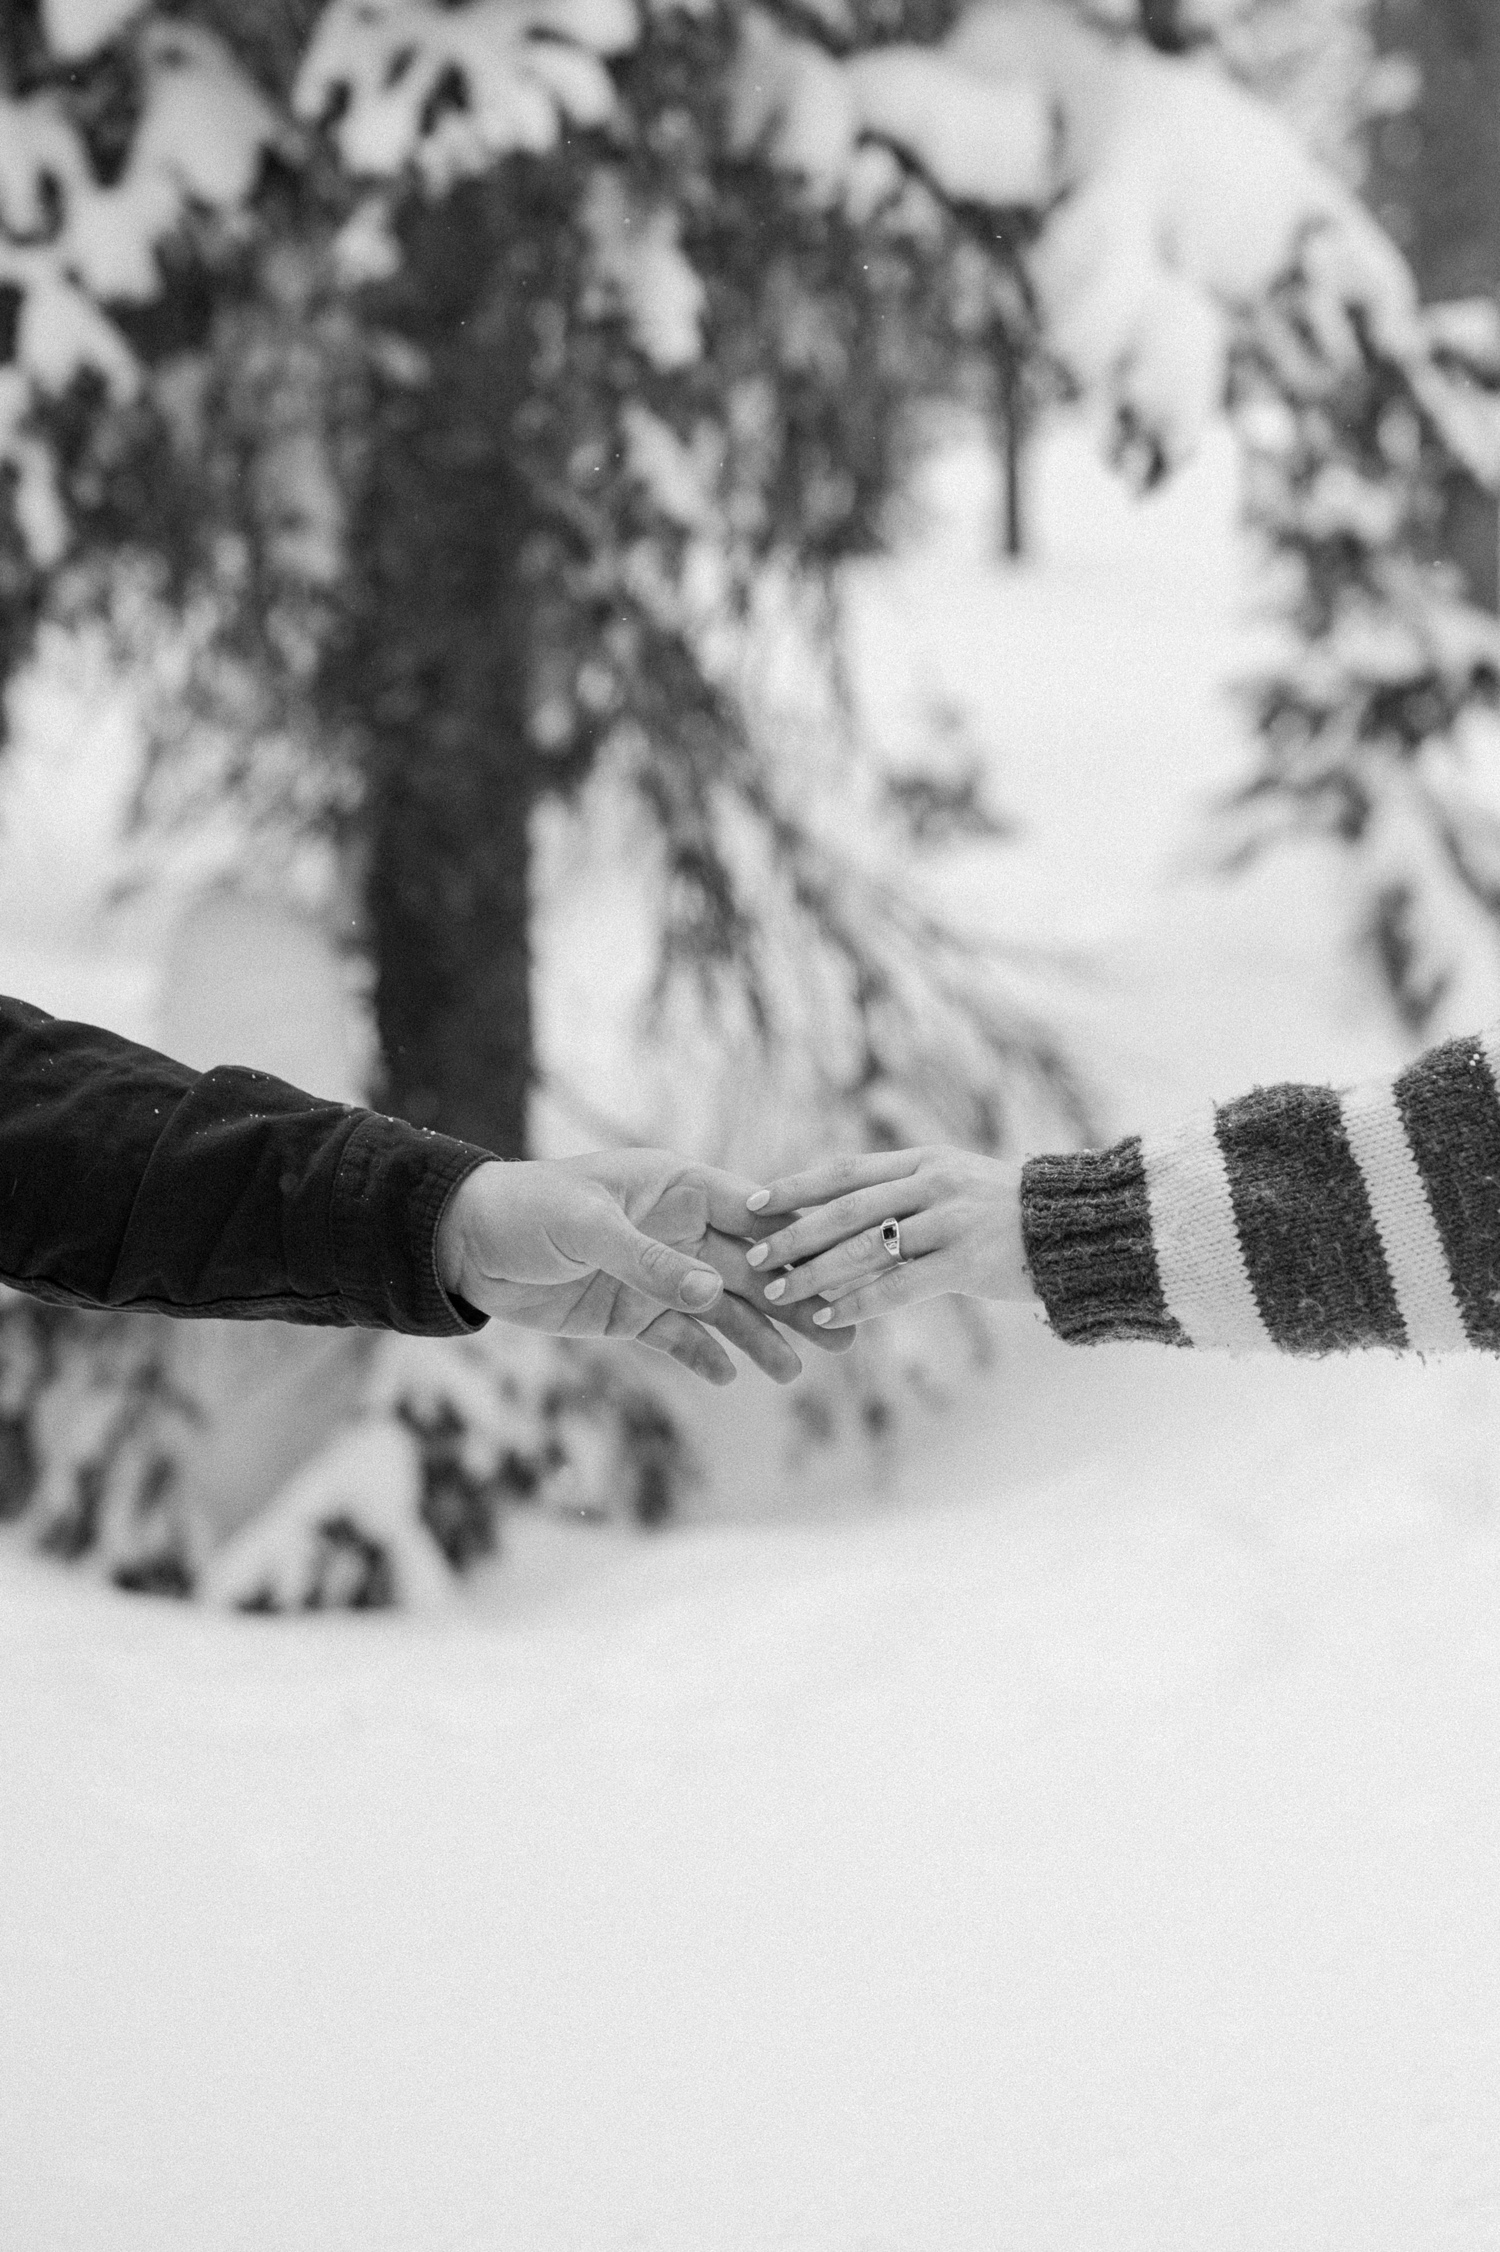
641,264
810,112
70,245
450,89
80,27
1172,200
977,142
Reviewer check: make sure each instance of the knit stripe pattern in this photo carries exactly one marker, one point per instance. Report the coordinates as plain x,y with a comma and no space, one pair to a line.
1295,1219
1451,1114
1204,1277
1409,1236
1086,1220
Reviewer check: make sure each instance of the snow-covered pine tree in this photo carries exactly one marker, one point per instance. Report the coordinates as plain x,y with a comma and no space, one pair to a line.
676,276
1377,722
416,442
1370,466
1372,443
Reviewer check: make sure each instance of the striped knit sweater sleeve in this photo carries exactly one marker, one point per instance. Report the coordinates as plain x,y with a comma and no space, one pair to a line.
1296,1219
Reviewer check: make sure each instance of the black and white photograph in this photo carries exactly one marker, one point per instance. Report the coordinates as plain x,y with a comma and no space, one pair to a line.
749,1125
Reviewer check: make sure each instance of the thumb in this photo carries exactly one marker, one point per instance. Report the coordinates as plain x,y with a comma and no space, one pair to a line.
655,1269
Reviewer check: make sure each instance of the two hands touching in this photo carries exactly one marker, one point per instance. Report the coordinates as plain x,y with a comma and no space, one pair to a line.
643,1245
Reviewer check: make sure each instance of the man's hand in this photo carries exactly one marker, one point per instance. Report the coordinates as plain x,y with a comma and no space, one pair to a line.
629,1243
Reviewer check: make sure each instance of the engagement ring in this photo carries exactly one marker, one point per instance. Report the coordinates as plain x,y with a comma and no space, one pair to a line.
890,1236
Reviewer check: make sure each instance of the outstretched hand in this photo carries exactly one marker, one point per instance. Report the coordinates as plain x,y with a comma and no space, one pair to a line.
635,1244
959,1218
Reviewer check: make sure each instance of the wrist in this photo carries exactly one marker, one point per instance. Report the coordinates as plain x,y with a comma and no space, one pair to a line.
1087,1226
1010,1277
451,1245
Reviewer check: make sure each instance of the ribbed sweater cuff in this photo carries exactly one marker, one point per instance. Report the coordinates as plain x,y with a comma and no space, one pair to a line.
1086,1220
389,1196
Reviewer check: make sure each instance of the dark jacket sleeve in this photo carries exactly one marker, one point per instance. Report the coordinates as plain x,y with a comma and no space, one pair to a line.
129,1180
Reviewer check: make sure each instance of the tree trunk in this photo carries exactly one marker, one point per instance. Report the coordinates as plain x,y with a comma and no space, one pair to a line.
450,772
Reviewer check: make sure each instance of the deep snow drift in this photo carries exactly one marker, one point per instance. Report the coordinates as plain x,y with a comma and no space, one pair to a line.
1080,1832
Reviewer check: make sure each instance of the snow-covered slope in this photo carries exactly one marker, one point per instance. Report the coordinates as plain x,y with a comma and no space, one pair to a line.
1087,1842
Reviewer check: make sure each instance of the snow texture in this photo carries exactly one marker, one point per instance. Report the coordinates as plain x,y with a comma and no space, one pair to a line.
199,143
679,478
204,126
983,143
979,143
366,249
1177,200
1186,198
1084,1840
642,265
370,1475
36,501
526,66
79,27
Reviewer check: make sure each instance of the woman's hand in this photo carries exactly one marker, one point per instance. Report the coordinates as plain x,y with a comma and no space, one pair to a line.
960,1233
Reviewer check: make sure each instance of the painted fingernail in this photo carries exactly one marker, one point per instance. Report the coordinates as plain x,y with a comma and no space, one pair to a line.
759,1256
823,1316
774,1289
758,1201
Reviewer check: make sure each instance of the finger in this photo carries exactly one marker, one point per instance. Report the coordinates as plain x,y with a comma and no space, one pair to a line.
936,1276
657,1270
861,1170
816,1333
688,1342
759,1339
742,1282
829,1224
727,1196
855,1260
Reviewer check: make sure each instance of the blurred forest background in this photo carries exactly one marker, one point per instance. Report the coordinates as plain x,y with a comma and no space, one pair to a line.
761,575
453,427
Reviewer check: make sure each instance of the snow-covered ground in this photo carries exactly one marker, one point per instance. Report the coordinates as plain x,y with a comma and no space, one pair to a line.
1085,1837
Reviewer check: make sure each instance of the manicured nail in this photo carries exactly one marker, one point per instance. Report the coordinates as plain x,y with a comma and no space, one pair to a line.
774,1289
701,1287
823,1316
759,1256
758,1201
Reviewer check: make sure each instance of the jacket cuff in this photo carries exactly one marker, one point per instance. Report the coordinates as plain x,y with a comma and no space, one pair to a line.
1086,1221
389,1195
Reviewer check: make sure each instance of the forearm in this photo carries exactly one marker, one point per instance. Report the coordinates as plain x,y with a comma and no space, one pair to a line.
1296,1219
128,1180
